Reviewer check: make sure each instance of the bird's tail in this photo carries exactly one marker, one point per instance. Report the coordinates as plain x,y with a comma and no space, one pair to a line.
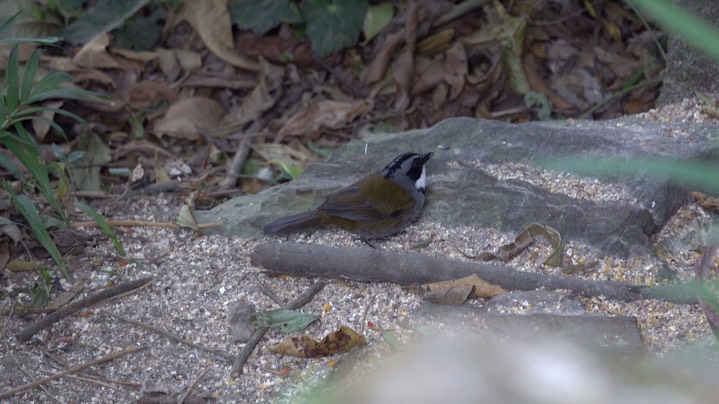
294,223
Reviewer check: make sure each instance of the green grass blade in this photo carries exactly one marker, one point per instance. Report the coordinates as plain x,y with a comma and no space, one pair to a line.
51,81
28,78
104,226
698,33
7,24
68,93
26,151
41,118
47,41
696,174
4,123
59,111
12,77
30,213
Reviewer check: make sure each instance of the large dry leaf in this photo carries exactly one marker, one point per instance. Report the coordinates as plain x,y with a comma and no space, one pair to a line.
94,54
211,20
182,117
457,291
41,127
337,342
324,114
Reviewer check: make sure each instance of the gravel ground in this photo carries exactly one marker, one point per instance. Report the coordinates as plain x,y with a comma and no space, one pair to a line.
200,278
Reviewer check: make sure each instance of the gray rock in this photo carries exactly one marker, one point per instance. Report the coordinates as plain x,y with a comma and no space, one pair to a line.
461,195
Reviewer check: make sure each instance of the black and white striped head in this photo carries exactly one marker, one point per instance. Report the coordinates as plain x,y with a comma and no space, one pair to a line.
408,168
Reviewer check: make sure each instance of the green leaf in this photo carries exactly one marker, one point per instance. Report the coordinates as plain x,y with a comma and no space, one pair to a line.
31,215
263,15
284,320
28,77
7,24
101,16
378,16
25,150
12,77
104,226
140,33
333,25
289,171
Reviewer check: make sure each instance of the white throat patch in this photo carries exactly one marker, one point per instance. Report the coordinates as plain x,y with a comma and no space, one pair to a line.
422,180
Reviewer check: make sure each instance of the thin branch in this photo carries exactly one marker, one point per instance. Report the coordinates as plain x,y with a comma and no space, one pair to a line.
182,399
38,382
63,312
368,265
167,334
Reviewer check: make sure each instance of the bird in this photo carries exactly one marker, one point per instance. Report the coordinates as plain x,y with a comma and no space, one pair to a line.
377,206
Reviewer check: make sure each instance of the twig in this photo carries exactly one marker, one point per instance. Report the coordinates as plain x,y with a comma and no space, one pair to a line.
52,318
182,399
135,223
38,382
88,377
267,291
300,301
169,335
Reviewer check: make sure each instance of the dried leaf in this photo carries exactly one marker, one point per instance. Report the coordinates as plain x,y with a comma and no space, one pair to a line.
524,240
261,99
85,173
324,114
182,117
186,219
457,291
41,127
710,203
404,67
94,54
211,20
337,342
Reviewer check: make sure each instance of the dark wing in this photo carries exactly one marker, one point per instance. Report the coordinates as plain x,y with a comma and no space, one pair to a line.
368,200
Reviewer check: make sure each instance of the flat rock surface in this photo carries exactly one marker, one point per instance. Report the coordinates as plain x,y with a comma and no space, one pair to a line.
467,183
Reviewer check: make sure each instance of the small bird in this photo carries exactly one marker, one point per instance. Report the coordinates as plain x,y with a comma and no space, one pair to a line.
377,206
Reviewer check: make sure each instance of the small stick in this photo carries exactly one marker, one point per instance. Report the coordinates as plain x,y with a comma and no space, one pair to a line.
267,291
135,223
193,385
300,301
38,382
63,312
167,334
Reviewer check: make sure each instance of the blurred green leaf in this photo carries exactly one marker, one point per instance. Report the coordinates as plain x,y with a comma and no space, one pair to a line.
30,213
101,16
377,17
698,174
333,25
698,33
284,320
263,15
140,33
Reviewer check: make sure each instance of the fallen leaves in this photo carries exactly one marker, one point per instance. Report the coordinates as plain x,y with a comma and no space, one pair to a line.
337,342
